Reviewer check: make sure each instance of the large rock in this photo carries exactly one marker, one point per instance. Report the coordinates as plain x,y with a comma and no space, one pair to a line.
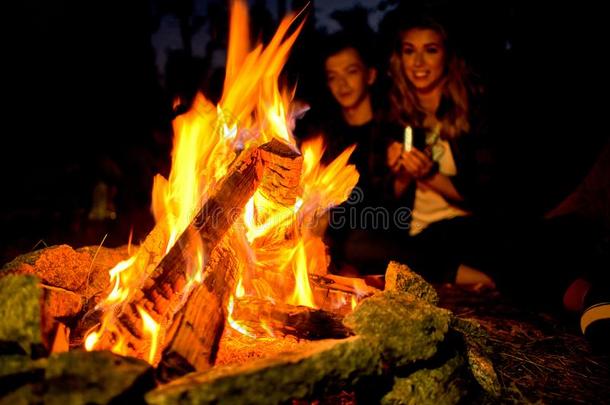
57,266
399,277
30,312
18,364
83,271
17,371
328,364
21,326
408,328
59,303
477,352
441,385
79,377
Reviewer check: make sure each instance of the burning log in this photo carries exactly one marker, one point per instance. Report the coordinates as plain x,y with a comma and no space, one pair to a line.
273,167
332,293
282,175
339,294
192,341
262,317
349,285
161,295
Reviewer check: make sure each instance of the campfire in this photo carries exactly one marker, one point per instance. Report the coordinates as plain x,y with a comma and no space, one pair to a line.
234,221
228,297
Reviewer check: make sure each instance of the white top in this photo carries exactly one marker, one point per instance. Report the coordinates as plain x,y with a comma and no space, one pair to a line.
429,205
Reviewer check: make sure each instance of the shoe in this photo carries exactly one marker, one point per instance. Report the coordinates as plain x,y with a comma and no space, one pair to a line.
595,320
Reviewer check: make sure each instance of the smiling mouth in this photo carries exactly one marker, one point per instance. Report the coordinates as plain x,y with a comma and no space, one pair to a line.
421,75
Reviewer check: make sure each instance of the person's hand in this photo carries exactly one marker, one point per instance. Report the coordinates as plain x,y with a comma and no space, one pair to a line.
393,156
401,178
414,163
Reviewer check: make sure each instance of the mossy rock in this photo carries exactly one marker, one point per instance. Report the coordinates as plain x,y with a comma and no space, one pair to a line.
442,385
399,277
80,377
408,328
329,364
20,301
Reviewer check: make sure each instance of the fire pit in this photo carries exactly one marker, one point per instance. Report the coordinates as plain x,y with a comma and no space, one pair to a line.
228,298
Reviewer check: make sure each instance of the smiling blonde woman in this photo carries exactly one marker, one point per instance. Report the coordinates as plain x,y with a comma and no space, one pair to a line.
446,178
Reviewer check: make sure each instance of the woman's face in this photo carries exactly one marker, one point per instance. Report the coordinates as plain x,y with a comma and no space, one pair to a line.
423,58
348,78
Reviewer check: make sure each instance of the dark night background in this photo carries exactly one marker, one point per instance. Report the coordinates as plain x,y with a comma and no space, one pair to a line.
88,90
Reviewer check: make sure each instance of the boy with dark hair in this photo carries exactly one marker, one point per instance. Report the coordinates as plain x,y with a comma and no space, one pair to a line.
353,117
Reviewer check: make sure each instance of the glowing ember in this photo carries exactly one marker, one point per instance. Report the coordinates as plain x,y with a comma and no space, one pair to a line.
91,340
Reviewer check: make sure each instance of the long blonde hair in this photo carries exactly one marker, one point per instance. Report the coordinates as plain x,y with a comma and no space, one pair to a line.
453,113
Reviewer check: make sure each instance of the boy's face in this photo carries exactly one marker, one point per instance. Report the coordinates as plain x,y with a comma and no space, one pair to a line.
348,78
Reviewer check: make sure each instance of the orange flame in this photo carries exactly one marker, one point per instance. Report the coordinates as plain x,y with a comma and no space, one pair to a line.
302,291
119,292
271,238
152,328
120,347
266,226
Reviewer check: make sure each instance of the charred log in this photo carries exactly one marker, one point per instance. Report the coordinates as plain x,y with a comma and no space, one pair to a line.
262,317
192,341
